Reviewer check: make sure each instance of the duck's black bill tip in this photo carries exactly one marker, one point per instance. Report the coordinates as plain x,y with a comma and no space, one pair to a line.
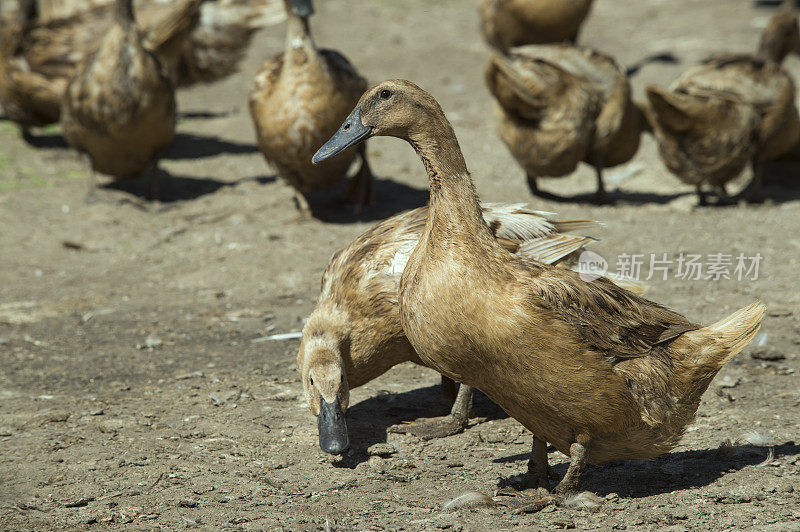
302,8
349,134
333,437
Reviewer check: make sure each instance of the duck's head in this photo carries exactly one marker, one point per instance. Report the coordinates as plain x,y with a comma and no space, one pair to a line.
299,8
326,391
781,37
393,108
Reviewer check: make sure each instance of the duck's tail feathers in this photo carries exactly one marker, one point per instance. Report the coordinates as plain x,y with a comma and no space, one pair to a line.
718,343
167,36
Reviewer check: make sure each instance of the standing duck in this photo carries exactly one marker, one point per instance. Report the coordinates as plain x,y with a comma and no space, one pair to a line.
298,100
730,111
598,372
119,109
354,334
509,23
560,105
39,56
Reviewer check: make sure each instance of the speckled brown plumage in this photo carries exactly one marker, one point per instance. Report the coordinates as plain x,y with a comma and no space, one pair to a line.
119,109
298,100
600,373
730,110
356,323
509,23
39,57
560,105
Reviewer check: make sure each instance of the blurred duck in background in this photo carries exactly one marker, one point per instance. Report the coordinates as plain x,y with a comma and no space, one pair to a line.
119,108
509,23
730,111
560,105
298,100
42,42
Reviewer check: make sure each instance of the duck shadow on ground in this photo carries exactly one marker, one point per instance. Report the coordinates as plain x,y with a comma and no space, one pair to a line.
368,421
670,472
613,197
174,188
664,57
390,198
190,146
45,141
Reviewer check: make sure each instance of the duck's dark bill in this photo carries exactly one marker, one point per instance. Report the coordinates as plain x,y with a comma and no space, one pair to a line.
332,427
302,8
350,133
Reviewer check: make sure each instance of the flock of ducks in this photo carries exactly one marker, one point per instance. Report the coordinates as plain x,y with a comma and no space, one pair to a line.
482,293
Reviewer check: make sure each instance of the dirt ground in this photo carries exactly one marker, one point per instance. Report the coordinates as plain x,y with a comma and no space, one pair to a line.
138,389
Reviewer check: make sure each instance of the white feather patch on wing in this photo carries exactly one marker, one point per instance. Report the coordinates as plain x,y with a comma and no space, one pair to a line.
553,248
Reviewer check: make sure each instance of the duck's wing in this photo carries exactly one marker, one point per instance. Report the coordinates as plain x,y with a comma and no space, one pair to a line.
609,319
344,73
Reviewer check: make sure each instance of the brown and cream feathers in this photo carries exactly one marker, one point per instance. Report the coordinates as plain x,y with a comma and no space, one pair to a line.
730,110
357,321
298,99
600,373
40,55
509,23
119,108
560,105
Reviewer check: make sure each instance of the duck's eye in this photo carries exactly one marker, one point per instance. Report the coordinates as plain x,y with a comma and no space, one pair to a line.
311,380
386,94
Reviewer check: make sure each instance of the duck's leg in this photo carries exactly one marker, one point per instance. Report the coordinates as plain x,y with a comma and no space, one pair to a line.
601,197
449,389
302,206
701,196
755,193
441,427
577,463
360,189
538,468
534,499
152,182
533,185
91,181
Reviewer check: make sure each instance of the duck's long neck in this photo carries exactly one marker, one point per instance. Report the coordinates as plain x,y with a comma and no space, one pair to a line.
454,210
298,34
123,13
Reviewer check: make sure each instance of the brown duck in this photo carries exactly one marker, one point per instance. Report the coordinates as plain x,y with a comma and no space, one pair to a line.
298,100
730,111
509,23
560,105
354,334
595,370
119,109
38,56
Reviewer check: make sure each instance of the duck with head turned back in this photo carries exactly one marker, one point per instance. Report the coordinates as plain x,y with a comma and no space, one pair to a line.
354,333
298,100
598,372
509,23
731,110
560,105
119,109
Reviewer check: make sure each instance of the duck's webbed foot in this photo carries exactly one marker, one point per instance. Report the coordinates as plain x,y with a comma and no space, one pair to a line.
527,501
441,427
303,208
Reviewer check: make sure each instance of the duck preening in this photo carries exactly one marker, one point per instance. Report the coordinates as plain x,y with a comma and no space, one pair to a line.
298,100
509,23
560,105
597,371
730,111
354,333
119,108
